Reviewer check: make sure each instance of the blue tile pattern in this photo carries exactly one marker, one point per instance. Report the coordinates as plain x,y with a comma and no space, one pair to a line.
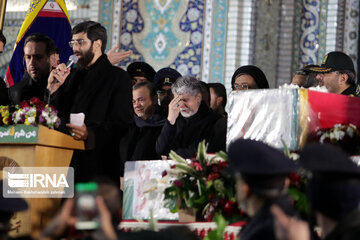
162,39
106,18
129,26
189,61
309,43
218,43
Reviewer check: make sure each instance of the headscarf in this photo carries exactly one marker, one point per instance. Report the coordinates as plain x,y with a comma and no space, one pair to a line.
253,71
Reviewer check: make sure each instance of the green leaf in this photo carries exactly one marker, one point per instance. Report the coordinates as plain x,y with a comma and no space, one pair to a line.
177,158
209,184
201,154
200,202
218,232
186,169
223,155
300,199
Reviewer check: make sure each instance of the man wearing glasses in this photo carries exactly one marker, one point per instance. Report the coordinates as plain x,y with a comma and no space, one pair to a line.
99,90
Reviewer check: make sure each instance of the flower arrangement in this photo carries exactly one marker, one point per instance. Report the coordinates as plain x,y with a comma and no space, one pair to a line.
298,181
347,137
30,112
201,184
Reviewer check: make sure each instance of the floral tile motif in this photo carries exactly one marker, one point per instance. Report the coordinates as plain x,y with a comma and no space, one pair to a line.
309,40
164,33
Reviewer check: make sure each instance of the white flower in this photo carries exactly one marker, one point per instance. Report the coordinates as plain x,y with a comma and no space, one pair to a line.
289,86
31,120
319,89
323,137
45,114
338,135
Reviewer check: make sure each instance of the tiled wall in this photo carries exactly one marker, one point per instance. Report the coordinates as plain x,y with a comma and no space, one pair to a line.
211,38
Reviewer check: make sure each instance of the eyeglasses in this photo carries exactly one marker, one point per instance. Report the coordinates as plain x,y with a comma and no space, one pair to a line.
242,86
78,42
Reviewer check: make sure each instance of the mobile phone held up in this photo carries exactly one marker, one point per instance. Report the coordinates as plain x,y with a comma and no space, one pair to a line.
86,209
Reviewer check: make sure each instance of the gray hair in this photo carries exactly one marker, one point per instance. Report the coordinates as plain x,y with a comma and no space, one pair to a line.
186,85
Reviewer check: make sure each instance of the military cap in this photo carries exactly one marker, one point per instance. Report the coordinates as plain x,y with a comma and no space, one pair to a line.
334,188
325,158
11,204
166,76
141,69
334,61
252,157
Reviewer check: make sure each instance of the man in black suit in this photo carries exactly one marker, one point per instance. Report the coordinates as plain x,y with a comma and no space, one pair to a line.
37,51
99,90
139,143
190,121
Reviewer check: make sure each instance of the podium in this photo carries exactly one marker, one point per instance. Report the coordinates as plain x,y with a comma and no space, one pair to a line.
30,146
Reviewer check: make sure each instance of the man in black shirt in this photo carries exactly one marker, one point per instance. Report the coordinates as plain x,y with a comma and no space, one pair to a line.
103,93
190,121
337,74
139,143
37,51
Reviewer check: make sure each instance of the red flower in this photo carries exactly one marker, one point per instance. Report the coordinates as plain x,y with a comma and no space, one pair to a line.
295,179
202,233
24,104
34,100
222,165
229,207
197,166
164,173
213,176
178,183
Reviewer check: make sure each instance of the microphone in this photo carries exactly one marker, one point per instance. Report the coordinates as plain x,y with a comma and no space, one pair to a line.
72,60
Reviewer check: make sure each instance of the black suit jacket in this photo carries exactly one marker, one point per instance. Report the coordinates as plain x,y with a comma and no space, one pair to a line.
103,93
184,136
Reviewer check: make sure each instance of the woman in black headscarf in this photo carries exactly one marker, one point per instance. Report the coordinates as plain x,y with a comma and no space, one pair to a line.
248,77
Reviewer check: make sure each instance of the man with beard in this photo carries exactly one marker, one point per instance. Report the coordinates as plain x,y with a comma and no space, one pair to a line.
139,143
103,93
37,51
190,121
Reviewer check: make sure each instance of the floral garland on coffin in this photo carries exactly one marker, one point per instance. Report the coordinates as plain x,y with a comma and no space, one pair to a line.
200,184
31,112
346,137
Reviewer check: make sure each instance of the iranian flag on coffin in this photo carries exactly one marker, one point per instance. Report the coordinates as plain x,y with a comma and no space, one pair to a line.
49,17
273,115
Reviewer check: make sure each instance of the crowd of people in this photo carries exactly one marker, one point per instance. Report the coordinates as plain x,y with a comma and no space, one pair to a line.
142,114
